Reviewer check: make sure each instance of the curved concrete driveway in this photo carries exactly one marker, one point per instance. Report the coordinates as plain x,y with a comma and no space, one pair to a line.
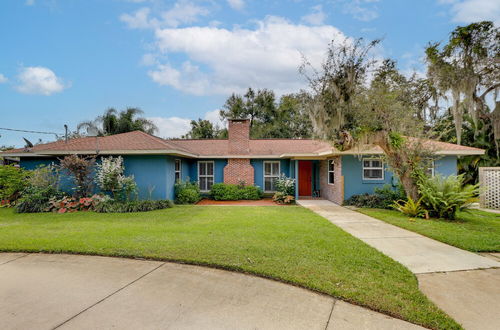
40,291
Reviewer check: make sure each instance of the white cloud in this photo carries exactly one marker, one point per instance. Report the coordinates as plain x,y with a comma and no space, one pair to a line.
182,12
29,2
223,61
3,79
39,80
468,11
316,17
174,127
236,4
363,10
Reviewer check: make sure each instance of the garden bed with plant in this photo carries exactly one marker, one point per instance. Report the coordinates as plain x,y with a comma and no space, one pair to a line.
290,244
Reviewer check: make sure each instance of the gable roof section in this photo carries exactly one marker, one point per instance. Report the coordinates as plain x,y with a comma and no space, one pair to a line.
138,142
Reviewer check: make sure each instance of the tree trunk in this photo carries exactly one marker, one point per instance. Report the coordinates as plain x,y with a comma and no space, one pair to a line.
411,188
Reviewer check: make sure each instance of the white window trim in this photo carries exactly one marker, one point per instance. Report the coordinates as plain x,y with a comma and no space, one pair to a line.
372,168
432,167
205,175
328,172
270,176
180,168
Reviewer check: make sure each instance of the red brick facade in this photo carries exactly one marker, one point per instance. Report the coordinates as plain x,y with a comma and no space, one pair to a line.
333,192
239,136
238,170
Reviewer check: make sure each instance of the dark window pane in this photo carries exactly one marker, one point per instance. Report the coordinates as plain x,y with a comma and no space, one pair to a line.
331,177
376,163
210,168
202,168
276,169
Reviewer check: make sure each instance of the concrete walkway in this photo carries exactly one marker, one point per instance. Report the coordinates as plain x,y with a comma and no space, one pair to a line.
40,291
464,284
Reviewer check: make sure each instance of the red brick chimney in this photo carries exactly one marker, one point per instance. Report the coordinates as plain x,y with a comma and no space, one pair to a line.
239,170
239,136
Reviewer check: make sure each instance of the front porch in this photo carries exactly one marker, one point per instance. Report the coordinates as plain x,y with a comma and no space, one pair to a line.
318,179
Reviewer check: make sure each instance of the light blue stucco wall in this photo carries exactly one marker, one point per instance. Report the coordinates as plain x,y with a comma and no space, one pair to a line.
352,170
258,168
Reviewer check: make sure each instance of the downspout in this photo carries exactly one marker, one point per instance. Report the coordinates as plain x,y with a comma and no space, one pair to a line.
296,179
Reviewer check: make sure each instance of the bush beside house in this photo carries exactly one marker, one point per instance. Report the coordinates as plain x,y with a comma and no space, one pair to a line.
234,192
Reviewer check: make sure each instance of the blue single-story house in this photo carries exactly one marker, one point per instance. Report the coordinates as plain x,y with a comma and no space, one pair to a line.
320,170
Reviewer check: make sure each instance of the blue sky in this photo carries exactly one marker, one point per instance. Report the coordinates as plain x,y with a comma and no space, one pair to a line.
64,61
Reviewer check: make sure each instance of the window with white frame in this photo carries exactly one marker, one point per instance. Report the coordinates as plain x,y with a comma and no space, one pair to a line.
206,175
373,169
331,171
271,173
430,167
178,169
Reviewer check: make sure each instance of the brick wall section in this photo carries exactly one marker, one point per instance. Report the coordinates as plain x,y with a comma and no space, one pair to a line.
332,192
239,136
238,170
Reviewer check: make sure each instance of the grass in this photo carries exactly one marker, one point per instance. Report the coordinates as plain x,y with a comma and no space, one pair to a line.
475,230
291,244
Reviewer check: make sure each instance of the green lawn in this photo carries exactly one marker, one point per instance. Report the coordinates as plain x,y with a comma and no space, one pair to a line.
291,244
475,230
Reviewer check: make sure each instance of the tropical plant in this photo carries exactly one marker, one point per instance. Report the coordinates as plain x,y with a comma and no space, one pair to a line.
283,198
80,169
70,204
285,185
110,178
132,206
44,176
187,192
12,183
114,122
411,208
443,197
37,199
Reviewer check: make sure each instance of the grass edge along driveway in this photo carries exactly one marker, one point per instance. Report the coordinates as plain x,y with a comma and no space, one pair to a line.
474,230
290,244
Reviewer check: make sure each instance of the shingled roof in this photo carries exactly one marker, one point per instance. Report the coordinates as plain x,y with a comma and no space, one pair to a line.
138,142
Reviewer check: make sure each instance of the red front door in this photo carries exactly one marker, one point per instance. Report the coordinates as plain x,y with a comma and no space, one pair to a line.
305,178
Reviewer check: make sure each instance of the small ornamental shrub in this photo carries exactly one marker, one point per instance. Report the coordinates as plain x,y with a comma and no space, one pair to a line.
411,208
12,183
37,199
44,176
282,198
110,178
80,168
71,204
443,197
285,185
382,198
233,192
132,206
187,192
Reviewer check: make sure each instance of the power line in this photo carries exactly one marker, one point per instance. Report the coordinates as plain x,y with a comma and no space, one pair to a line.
27,131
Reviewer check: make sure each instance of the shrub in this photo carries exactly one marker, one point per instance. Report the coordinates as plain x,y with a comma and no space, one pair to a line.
187,192
12,183
382,198
285,185
80,168
282,198
444,196
37,199
71,204
133,206
44,176
110,178
233,192
411,208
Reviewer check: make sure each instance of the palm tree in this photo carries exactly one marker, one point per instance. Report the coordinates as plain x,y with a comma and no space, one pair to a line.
114,122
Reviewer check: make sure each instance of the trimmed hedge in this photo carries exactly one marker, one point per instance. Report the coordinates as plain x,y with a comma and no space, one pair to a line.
134,206
233,192
382,198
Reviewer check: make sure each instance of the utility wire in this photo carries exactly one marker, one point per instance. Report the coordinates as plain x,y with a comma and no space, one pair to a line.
27,131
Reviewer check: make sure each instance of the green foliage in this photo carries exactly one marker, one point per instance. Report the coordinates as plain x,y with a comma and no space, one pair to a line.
132,206
44,176
411,208
36,199
187,192
233,192
110,178
285,185
396,140
443,197
204,129
12,183
283,198
382,198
